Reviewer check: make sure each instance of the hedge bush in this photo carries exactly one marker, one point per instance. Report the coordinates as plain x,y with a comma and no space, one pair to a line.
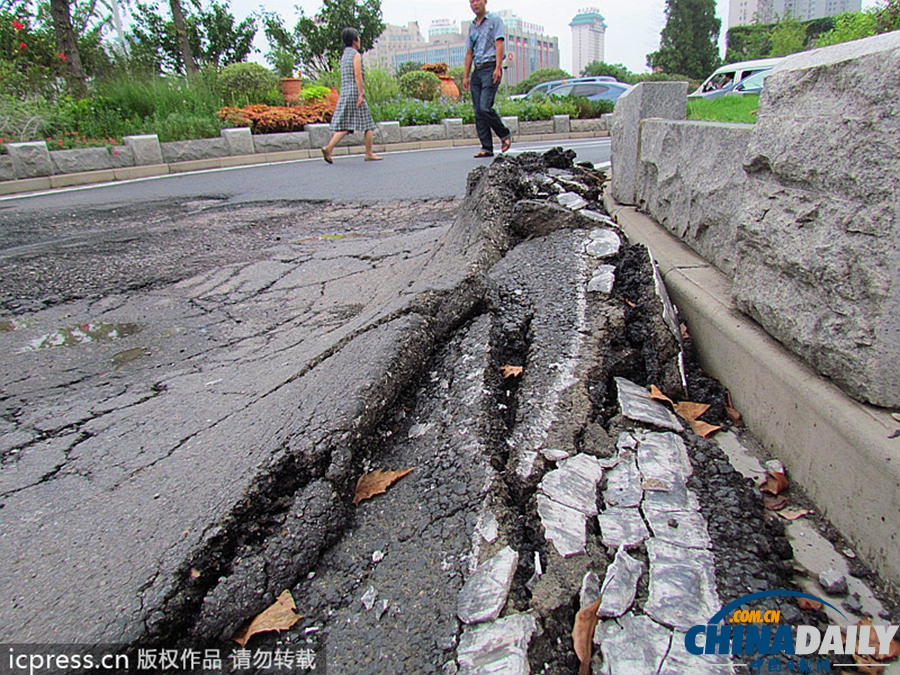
420,85
243,83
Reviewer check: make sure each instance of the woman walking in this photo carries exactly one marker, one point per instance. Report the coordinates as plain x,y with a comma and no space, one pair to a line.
352,111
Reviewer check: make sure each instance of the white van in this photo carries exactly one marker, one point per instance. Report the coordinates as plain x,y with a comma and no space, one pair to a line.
725,78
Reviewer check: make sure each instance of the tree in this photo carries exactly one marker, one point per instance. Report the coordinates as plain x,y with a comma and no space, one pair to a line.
319,38
789,36
68,45
688,40
616,70
181,38
538,76
212,35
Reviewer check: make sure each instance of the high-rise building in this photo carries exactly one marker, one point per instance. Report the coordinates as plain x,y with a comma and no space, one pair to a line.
743,12
526,47
588,38
394,39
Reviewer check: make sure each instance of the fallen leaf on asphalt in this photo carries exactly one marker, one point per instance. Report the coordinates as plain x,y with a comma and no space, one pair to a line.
583,635
511,371
775,483
702,429
792,514
280,616
657,395
655,484
689,410
194,574
375,483
806,603
775,502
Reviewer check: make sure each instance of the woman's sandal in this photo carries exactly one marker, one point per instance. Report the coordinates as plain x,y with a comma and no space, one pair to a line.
483,153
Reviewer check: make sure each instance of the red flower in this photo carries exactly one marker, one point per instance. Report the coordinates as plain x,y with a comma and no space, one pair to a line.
60,142
62,56
22,45
18,25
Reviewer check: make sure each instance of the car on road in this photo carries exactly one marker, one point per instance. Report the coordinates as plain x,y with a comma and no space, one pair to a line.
545,87
726,78
609,90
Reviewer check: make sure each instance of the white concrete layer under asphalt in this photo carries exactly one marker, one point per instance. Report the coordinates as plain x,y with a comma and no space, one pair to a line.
838,449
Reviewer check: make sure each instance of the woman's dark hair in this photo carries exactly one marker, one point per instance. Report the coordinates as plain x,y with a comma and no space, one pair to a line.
349,36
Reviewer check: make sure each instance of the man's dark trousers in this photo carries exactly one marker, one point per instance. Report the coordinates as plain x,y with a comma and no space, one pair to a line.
484,89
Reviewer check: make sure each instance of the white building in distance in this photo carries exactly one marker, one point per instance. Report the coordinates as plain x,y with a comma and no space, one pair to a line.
744,12
588,38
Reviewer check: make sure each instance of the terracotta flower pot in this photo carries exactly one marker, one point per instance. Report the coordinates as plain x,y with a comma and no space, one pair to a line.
448,87
290,87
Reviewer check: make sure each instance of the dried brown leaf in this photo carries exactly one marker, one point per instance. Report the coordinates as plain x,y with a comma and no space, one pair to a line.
793,514
195,574
702,429
689,410
583,635
657,395
375,483
806,603
775,483
511,371
774,502
280,616
874,643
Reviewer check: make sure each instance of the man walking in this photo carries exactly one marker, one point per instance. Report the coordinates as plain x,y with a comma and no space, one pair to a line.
484,49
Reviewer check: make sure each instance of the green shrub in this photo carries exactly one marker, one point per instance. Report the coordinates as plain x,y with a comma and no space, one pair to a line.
315,93
181,126
330,78
380,85
243,83
421,85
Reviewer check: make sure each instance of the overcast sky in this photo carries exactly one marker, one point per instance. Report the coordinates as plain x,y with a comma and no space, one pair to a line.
633,26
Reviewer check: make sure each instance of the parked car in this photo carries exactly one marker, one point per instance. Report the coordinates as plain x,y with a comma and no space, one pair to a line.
608,90
750,85
545,87
726,78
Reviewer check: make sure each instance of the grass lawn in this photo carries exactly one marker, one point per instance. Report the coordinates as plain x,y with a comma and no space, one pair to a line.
724,109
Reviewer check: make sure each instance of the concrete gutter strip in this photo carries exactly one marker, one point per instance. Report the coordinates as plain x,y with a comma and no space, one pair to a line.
836,448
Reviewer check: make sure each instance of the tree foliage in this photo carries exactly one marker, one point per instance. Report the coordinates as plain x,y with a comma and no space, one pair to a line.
539,76
688,40
789,37
754,41
408,67
316,41
616,70
215,38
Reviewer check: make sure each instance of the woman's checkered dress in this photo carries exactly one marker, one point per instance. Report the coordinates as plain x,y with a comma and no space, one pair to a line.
347,117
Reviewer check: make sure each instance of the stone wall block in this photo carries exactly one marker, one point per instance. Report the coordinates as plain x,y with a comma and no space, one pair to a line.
30,159
425,132
536,127
7,170
560,124
188,151
691,180
453,127
238,140
667,100
294,140
145,149
390,132
81,159
511,122
819,241
319,134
